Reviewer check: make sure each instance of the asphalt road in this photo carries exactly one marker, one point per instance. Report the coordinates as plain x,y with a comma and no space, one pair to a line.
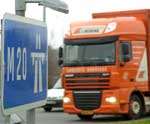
58,117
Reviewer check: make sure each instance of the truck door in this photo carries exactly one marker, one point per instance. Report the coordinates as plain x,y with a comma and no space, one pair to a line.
127,70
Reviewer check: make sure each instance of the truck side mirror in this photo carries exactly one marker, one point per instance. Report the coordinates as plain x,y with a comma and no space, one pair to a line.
60,55
126,52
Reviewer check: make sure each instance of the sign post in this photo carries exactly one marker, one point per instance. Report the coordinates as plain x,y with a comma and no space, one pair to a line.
24,65
7,119
24,60
31,116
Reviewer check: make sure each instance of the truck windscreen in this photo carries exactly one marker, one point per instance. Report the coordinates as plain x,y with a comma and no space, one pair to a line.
89,54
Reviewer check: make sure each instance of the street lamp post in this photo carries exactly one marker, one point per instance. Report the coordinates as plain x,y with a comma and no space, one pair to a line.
57,5
44,14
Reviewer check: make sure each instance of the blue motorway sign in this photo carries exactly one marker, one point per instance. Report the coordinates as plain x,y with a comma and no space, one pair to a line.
24,63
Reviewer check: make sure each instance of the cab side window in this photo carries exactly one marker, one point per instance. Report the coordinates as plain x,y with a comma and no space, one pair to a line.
125,51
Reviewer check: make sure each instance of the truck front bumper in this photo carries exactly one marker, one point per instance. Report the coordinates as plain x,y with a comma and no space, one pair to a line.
106,107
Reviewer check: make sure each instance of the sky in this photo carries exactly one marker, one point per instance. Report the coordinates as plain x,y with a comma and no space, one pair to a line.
58,23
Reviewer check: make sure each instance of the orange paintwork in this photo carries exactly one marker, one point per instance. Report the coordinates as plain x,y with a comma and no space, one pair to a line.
120,107
125,26
131,26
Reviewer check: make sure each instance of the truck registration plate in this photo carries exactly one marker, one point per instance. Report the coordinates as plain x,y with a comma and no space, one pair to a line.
87,112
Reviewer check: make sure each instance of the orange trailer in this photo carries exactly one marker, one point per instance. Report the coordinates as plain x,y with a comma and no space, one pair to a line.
106,63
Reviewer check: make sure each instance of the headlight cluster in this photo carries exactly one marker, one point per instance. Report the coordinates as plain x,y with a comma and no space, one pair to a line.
66,100
111,99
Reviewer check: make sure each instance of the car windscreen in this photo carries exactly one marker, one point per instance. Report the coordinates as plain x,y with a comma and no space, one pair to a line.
58,84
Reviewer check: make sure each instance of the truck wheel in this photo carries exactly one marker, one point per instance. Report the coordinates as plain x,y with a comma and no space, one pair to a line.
48,109
135,108
85,117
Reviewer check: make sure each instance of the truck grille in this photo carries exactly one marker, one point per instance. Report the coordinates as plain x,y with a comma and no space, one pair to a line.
87,81
87,100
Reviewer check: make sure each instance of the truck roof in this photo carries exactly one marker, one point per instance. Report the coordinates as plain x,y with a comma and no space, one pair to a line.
141,14
107,27
124,20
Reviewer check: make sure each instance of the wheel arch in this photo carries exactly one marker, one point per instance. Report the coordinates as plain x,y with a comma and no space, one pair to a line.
140,95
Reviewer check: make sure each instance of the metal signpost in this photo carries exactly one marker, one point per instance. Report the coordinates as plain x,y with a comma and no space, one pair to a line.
24,59
57,5
24,55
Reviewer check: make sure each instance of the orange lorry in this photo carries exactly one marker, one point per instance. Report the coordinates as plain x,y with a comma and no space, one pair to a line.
106,65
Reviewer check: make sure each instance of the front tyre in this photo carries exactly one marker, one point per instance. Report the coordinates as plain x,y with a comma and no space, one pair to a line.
85,117
135,107
48,108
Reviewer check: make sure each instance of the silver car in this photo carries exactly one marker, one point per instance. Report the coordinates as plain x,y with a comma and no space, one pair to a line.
54,96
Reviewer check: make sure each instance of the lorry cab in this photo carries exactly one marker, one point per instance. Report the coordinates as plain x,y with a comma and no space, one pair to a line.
105,65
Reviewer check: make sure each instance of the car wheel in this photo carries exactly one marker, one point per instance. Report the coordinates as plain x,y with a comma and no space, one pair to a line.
136,109
48,109
85,117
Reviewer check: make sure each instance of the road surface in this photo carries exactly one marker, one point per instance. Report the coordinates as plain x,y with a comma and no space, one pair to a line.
58,117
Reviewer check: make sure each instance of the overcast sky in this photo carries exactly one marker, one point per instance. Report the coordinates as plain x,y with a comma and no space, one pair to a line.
79,10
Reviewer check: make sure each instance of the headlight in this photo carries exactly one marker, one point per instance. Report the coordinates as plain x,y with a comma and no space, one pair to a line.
60,97
111,99
48,98
66,100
